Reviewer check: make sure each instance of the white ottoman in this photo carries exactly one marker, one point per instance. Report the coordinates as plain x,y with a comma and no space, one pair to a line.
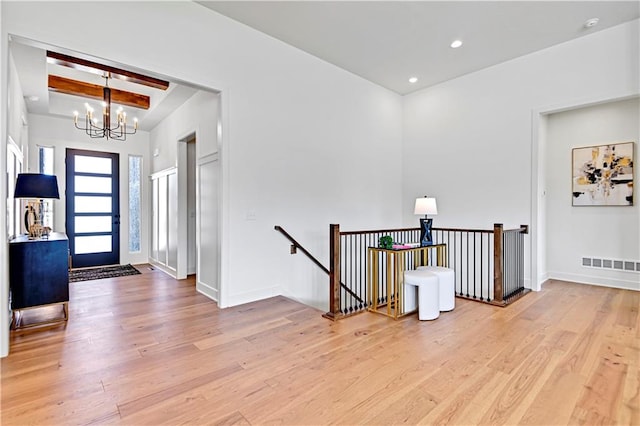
428,292
410,298
447,280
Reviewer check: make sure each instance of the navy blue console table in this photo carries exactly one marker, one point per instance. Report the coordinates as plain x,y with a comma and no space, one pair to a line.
39,274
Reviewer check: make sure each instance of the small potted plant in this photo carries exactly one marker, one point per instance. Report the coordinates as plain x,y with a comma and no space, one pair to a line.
385,242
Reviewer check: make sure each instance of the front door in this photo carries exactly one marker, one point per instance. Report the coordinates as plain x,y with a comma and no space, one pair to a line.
93,208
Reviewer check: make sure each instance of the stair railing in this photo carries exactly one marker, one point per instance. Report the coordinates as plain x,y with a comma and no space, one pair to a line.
489,264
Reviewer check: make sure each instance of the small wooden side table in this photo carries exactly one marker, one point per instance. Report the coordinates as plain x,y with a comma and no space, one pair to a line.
393,263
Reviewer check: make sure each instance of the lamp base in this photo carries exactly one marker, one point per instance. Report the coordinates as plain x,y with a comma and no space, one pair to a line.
33,220
426,239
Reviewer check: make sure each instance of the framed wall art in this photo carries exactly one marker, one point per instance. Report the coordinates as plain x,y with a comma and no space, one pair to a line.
602,175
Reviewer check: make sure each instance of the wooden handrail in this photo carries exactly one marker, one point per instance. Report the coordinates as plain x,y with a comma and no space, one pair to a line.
524,229
378,231
302,249
331,314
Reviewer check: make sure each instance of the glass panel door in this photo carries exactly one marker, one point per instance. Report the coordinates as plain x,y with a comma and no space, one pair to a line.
93,209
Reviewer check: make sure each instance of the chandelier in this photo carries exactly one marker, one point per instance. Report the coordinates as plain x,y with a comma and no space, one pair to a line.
92,127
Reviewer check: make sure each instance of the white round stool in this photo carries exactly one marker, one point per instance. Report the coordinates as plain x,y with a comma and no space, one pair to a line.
447,280
428,293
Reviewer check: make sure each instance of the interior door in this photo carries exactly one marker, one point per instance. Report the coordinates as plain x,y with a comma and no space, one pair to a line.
92,207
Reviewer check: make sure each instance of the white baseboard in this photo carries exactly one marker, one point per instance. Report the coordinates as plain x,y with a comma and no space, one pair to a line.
542,278
207,290
592,280
169,271
323,306
252,296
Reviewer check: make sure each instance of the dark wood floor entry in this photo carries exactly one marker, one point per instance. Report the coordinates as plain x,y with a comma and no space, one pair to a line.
147,349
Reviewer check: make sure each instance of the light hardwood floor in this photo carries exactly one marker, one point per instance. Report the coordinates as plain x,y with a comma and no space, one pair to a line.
149,350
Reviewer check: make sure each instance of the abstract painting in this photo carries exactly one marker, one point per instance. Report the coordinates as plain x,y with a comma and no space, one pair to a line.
603,175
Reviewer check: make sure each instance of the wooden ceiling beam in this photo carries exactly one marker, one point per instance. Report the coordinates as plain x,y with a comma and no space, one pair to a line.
95,91
100,69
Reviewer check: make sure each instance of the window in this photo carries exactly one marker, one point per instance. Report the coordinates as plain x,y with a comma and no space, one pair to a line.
45,159
135,174
14,166
45,166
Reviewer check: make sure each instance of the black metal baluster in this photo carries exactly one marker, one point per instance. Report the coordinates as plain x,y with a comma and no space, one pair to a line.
491,273
353,270
343,274
361,275
521,257
475,290
481,264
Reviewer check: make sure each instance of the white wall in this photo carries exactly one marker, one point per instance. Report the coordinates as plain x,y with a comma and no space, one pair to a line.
304,143
198,115
541,196
17,110
17,131
4,262
469,142
61,134
574,232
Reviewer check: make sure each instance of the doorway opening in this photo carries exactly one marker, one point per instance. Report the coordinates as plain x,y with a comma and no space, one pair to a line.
192,253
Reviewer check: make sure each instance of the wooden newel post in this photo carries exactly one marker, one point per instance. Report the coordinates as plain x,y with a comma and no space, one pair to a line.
334,272
498,294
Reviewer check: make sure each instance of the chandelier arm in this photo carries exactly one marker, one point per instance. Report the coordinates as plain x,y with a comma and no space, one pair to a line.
122,130
80,128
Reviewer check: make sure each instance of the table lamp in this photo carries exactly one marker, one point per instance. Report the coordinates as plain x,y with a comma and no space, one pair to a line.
426,206
35,186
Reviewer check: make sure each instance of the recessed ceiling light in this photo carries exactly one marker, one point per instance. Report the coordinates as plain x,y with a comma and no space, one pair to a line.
591,22
413,80
32,98
456,43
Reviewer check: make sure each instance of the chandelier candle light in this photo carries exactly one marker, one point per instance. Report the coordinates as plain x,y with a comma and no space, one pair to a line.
426,206
91,127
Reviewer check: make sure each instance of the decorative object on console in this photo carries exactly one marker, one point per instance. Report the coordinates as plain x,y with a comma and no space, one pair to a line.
385,242
603,175
426,206
36,187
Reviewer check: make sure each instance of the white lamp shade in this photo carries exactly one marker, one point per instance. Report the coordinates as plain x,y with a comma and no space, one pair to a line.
426,205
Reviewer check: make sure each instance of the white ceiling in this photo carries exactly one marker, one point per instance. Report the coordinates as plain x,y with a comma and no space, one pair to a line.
387,42
33,70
